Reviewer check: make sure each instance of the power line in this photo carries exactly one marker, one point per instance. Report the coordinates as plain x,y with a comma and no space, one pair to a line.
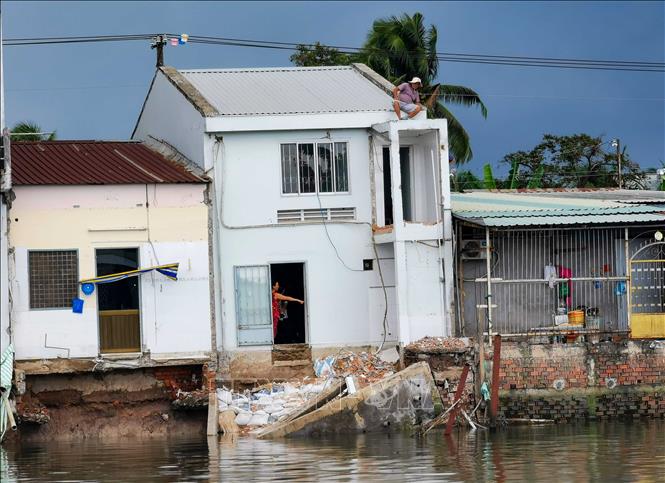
490,59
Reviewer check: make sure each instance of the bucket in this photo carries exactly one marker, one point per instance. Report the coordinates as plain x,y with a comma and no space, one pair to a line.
576,317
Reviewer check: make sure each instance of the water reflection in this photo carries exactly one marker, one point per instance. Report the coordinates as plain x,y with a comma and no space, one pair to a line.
583,452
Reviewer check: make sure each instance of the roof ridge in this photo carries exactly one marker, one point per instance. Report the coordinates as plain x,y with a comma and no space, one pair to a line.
265,69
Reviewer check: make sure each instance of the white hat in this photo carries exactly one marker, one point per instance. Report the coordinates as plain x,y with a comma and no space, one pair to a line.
414,80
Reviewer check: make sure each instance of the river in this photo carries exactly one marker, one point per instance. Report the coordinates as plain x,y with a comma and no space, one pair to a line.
600,452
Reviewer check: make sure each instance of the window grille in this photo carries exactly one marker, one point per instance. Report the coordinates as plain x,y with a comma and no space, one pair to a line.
53,278
315,167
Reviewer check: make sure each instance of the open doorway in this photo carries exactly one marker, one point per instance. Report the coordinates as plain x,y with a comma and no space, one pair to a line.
291,278
405,172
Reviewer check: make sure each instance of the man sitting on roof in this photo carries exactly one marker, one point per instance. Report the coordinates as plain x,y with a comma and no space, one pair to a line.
407,98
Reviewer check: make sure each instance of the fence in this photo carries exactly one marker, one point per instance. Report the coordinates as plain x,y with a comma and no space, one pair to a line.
532,274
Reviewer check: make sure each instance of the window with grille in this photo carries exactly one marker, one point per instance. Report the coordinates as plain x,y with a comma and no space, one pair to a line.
53,278
315,167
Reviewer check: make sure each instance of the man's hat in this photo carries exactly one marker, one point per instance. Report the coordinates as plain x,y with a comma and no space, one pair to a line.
414,80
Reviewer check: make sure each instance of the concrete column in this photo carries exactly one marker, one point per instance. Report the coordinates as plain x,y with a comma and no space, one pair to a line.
401,278
447,220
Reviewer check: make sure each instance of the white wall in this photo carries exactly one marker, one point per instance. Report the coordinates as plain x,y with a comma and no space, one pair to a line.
342,306
168,116
175,315
4,279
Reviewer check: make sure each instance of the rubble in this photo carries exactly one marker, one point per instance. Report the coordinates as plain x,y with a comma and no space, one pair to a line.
191,400
439,344
364,366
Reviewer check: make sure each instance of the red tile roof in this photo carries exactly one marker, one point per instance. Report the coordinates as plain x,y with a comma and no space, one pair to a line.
93,162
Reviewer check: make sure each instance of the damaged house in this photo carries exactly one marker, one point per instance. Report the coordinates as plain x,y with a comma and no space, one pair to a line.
318,187
109,252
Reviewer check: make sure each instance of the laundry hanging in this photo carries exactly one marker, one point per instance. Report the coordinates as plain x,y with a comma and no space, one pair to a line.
170,270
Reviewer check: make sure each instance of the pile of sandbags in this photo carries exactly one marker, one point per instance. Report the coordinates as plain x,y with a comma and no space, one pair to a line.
267,404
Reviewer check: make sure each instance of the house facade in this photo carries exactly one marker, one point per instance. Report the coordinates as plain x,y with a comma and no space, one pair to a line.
88,221
5,187
316,186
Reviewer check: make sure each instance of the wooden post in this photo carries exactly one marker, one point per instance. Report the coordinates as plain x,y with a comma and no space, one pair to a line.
458,395
496,365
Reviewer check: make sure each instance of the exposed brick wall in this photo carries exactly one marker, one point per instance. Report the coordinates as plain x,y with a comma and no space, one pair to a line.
627,363
564,382
185,378
608,404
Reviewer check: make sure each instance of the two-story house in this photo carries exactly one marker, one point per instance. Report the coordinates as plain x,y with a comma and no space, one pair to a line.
319,188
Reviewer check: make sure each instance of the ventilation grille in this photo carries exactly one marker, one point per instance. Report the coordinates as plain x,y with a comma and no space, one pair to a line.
314,215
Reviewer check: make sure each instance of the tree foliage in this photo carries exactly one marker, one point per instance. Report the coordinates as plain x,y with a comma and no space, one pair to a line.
318,55
29,131
399,48
575,161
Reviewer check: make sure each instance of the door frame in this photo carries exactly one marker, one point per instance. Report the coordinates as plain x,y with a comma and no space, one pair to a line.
140,304
305,291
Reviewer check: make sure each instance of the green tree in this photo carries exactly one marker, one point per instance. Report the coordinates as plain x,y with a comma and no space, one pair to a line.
399,48
466,180
575,161
29,131
318,55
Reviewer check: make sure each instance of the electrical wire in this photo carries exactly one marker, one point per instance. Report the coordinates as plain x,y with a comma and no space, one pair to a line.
510,60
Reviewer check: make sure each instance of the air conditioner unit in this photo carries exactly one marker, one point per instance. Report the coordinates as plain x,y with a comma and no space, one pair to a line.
474,250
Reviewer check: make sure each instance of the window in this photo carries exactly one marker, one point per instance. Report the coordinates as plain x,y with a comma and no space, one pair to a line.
315,167
53,278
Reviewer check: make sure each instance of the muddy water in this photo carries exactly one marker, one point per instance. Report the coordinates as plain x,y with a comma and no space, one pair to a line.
583,452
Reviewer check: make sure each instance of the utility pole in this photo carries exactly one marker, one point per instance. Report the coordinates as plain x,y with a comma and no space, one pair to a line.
158,43
616,143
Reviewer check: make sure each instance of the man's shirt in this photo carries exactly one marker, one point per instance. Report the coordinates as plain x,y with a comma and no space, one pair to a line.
408,94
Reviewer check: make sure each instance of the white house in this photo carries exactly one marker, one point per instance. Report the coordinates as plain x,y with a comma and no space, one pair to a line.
103,210
319,187
5,187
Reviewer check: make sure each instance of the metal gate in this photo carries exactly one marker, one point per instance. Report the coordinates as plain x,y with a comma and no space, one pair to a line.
647,291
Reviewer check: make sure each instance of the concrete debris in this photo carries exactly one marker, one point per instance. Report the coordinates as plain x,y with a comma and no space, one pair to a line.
193,400
366,368
401,401
269,403
439,344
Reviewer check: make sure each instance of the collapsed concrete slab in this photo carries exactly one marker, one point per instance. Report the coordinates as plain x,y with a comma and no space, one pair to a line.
398,402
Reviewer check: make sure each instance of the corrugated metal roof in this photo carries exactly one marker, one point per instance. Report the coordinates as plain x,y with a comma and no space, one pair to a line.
93,162
500,209
288,90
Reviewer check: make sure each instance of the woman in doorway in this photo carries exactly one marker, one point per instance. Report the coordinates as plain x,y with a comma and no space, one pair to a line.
276,299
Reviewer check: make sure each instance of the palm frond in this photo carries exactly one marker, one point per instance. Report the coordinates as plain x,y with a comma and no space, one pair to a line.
462,95
458,138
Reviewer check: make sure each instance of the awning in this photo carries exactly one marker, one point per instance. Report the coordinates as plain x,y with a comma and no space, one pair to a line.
169,270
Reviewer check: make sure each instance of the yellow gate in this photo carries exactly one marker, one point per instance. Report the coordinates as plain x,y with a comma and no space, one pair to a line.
647,292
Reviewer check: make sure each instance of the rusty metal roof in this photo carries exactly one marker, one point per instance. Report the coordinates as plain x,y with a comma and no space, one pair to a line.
538,208
93,162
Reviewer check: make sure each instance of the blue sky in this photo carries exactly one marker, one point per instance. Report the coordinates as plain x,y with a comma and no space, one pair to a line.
95,91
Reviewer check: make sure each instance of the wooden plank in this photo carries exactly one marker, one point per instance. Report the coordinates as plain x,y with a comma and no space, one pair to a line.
458,394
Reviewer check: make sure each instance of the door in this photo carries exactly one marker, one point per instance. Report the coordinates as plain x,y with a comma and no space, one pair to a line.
647,292
118,302
253,297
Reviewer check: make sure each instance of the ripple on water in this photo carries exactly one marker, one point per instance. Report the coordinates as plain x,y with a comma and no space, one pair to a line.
582,452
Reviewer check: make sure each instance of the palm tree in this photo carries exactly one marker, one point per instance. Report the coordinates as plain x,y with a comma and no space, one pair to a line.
29,131
399,48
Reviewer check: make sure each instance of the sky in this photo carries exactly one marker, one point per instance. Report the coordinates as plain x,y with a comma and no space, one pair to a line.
95,91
